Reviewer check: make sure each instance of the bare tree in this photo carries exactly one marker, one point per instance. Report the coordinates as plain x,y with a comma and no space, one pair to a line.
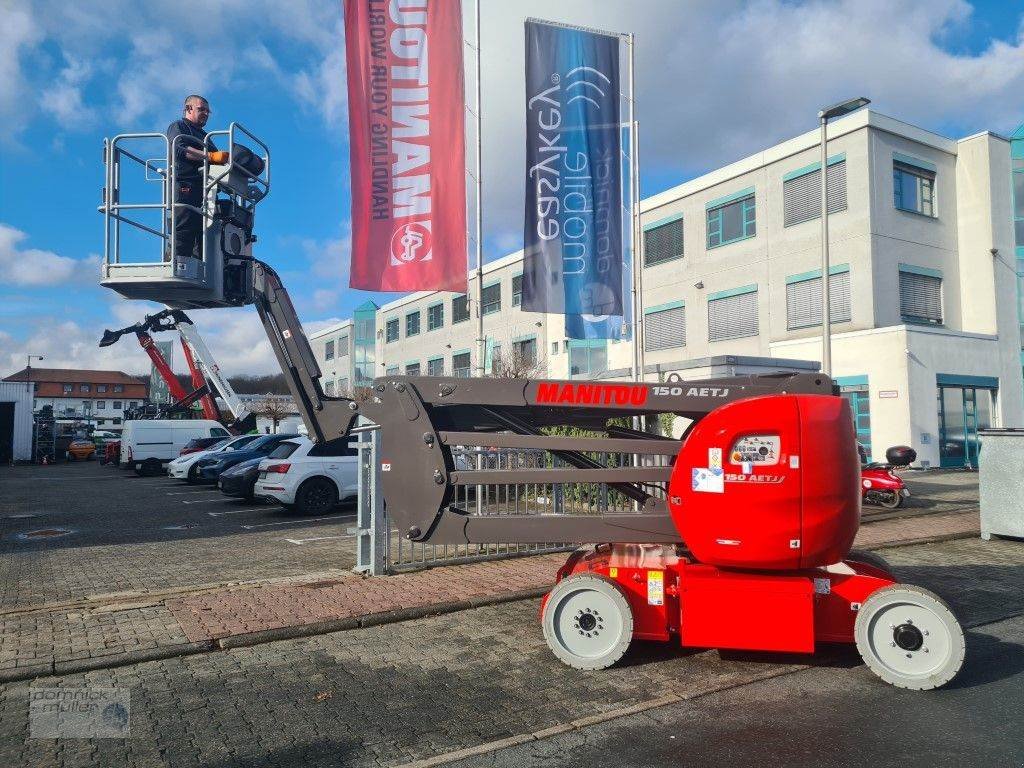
274,408
516,365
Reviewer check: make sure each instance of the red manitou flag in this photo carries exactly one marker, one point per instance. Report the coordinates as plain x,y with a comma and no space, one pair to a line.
407,144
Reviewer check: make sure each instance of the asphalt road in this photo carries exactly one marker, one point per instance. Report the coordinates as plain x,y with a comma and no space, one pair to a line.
826,717
71,531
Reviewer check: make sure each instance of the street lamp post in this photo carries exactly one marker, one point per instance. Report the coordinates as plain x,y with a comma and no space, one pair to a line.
836,110
28,378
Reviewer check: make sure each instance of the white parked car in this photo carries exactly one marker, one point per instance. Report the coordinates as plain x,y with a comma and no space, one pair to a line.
311,478
148,445
184,467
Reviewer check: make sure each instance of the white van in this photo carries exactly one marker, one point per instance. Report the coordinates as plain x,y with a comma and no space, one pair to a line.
148,445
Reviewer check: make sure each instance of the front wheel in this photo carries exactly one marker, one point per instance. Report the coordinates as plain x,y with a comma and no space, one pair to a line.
316,496
588,623
886,499
193,475
909,637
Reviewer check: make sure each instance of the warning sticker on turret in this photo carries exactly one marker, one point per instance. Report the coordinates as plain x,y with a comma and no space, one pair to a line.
655,588
706,480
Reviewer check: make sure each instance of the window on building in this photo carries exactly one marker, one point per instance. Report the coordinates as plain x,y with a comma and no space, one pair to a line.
665,328
117,405
412,324
435,316
101,387
801,195
733,316
101,405
116,422
490,299
461,365
460,309
133,404
554,347
588,358
329,350
84,388
391,330
343,345
913,188
329,389
119,388
435,366
525,352
517,290
412,369
391,370
732,221
343,386
663,242
496,359
803,301
68,389
920,297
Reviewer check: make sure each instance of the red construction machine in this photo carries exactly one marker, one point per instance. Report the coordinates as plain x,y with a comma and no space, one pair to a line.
740,531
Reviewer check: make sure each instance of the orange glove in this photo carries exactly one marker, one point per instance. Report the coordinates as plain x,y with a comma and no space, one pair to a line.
218,158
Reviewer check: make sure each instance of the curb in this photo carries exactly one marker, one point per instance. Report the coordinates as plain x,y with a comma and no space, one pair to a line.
250,639
58,668
925,540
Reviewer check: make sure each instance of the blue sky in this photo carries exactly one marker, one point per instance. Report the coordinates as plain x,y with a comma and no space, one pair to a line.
716,81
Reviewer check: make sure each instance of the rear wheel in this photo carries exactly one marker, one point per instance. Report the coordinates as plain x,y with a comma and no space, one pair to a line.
316,496
193,474
890,499
588,623
909,637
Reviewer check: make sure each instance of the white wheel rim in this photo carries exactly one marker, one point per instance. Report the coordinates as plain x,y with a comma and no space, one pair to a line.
909,639
586,623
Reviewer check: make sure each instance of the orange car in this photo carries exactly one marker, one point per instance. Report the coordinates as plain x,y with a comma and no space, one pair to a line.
80,450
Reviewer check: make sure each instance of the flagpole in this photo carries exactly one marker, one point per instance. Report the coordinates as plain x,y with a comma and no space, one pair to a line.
480,340
636,370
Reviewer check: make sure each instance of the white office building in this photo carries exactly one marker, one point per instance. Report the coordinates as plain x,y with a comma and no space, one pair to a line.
926,341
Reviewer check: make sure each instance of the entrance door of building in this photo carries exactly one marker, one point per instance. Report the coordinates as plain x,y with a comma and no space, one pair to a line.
6,433
963,410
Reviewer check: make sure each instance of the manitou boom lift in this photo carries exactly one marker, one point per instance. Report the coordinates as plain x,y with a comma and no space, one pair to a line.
742,540
201,363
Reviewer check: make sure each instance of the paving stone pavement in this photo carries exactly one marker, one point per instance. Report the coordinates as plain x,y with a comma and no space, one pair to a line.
35,643
391,694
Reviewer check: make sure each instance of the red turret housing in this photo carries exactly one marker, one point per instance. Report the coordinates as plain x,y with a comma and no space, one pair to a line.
769,483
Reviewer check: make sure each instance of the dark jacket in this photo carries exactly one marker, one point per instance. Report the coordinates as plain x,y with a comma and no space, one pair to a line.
193,136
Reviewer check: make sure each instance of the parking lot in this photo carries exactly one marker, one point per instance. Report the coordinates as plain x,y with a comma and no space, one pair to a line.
70,532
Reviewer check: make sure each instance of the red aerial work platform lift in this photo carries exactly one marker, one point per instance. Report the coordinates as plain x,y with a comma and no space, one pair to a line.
741,539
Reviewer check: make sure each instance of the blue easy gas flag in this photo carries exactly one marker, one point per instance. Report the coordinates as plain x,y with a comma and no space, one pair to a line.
573,231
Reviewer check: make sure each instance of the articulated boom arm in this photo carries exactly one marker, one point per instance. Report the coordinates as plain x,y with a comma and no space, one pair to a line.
422,418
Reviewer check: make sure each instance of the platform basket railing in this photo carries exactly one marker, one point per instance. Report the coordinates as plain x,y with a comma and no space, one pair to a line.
382,549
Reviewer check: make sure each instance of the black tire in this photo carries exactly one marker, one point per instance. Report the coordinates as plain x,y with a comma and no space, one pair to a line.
316,496
148,468
193,474
890,499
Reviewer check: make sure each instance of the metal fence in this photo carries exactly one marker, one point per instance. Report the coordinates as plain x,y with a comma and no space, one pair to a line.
382,549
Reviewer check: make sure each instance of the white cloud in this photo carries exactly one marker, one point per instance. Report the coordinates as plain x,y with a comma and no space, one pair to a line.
33,267
329,258
17,34
324,88
719,81
324,299
63,98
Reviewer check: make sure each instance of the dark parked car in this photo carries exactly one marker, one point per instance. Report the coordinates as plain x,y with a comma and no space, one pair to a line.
210,467
240,479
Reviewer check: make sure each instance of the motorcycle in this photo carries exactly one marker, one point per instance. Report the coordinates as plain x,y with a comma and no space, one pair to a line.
880,484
